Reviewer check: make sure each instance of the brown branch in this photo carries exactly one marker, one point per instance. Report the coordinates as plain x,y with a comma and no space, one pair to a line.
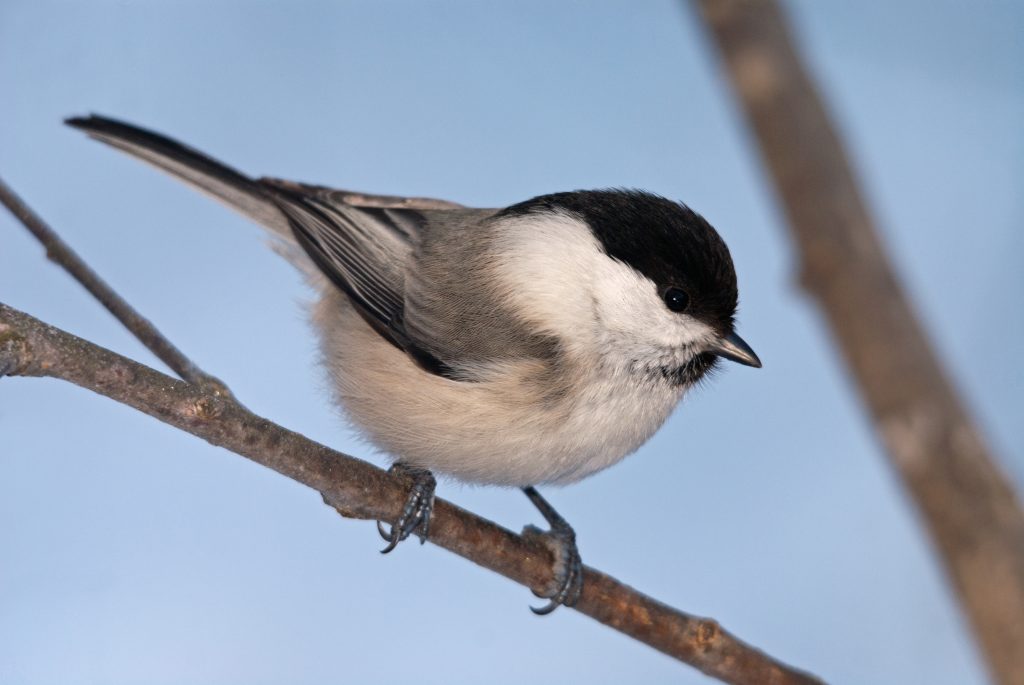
970,509
357,489
61,253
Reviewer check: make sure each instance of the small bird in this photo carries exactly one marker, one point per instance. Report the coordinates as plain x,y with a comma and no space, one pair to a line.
535,344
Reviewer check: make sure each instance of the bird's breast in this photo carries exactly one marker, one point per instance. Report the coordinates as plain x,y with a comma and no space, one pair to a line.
519,427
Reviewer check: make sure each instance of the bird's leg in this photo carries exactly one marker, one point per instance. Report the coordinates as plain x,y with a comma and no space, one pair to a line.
415,516
561,539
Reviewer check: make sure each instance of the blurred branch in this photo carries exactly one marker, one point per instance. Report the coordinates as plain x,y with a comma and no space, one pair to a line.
967,504
29,347
61,253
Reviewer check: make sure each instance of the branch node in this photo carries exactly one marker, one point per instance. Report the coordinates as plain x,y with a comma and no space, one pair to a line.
206,409
60,253
115,375
708,632
15,353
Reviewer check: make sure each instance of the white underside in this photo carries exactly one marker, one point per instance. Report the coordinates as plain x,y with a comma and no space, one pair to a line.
503,431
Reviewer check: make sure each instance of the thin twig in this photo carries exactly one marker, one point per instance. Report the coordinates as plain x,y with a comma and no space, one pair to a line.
974,518
61,253
357,489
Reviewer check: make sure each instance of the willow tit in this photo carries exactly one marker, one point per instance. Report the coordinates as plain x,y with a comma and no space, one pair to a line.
535,344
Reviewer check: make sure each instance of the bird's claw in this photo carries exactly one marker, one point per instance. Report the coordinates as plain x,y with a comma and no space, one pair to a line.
419,505
567,573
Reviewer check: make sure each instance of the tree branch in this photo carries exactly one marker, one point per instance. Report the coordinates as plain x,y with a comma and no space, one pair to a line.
61,253
357,489
967,504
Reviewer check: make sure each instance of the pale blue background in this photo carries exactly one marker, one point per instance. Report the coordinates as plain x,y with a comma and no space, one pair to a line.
133,553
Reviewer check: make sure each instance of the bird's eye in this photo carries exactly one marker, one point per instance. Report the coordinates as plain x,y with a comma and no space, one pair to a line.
676,299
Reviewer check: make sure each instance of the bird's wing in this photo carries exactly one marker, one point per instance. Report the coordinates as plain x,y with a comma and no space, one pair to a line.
367,251
363,243
422,278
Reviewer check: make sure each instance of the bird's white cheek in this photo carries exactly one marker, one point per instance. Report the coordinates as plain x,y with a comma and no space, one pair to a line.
623,303
547,269
561,282
629,305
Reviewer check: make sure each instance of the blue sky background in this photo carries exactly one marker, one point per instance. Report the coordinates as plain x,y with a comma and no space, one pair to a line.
133,553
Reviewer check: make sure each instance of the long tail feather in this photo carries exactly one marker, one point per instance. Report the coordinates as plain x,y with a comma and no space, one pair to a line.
208,175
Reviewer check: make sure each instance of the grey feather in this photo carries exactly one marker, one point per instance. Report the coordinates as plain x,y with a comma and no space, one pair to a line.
393,256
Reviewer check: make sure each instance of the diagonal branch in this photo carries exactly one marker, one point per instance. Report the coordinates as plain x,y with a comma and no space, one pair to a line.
61,253
969,507
29,347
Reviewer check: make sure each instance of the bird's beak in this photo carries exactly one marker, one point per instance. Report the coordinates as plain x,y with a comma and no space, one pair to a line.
733,348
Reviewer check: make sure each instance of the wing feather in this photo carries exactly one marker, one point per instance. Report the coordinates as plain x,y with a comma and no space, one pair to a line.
370,246
366,252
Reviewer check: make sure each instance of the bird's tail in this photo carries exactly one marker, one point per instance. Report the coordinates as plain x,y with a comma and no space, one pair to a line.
220,181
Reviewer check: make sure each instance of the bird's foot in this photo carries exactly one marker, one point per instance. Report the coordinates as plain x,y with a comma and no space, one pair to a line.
415,516
567,573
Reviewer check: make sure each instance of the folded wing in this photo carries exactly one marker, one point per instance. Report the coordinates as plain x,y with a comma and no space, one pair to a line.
363,243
